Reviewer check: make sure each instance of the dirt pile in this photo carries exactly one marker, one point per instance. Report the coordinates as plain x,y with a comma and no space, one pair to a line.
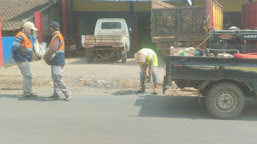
11,82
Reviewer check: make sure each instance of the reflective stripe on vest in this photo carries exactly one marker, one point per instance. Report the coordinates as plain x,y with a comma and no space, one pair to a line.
26,41
150,54
61,49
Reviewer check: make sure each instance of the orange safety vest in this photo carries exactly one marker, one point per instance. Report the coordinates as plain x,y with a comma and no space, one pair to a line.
26,41
59,35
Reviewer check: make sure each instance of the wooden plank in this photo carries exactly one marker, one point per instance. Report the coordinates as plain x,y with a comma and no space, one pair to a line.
87,37
98,37
91,40
110,40
118,40
92,37
102,38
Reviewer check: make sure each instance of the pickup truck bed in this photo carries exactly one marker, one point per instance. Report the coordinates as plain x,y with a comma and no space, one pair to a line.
90,41
105,47
224,82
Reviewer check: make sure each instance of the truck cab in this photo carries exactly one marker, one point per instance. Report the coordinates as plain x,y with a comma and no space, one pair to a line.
111,26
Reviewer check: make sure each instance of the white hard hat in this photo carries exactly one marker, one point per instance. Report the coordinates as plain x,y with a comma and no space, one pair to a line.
30,25
234,28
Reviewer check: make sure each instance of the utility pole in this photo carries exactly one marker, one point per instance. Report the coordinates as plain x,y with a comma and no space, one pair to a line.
131,22
1,46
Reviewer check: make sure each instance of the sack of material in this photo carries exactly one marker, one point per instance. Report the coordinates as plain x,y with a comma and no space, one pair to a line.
189,51
23,50
48,59
34,57
39,49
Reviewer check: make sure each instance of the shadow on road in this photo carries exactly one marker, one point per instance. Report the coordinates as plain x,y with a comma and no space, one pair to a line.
8,96
38,98
11,89
124,92
184,107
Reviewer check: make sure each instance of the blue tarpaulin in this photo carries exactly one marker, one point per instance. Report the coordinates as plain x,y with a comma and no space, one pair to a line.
7,45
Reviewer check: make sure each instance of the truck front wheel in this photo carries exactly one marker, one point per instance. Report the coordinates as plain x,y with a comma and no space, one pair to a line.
225,101
124,56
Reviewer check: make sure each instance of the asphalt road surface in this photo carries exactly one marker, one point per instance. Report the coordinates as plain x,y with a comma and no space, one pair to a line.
119,119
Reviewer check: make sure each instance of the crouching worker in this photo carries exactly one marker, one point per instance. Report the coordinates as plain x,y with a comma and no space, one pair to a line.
147,58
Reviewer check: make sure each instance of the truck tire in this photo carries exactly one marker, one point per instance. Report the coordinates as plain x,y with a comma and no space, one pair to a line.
89,57
124,55
225,101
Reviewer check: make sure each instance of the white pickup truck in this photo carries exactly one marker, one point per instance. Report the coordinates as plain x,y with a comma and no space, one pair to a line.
110,40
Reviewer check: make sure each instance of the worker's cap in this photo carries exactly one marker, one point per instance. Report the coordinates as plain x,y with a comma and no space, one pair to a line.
234,28
141,57
54,24
30,25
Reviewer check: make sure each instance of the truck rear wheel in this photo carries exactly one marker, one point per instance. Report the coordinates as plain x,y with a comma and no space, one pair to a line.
89,57
124,56
225,101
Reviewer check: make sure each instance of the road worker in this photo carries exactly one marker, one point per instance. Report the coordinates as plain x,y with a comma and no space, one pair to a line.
147,58
22,55
55,57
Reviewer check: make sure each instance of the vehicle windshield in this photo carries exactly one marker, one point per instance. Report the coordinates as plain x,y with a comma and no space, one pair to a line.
111,25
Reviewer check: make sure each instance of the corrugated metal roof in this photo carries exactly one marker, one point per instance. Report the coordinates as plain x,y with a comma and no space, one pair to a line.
118,6
189,1
14,11
141,5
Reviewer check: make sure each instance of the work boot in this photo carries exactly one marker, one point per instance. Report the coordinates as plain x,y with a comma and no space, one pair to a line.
68,97
155,91
54,97
142,88
32,95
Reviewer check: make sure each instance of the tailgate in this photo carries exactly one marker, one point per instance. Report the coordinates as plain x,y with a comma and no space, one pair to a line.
101,40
